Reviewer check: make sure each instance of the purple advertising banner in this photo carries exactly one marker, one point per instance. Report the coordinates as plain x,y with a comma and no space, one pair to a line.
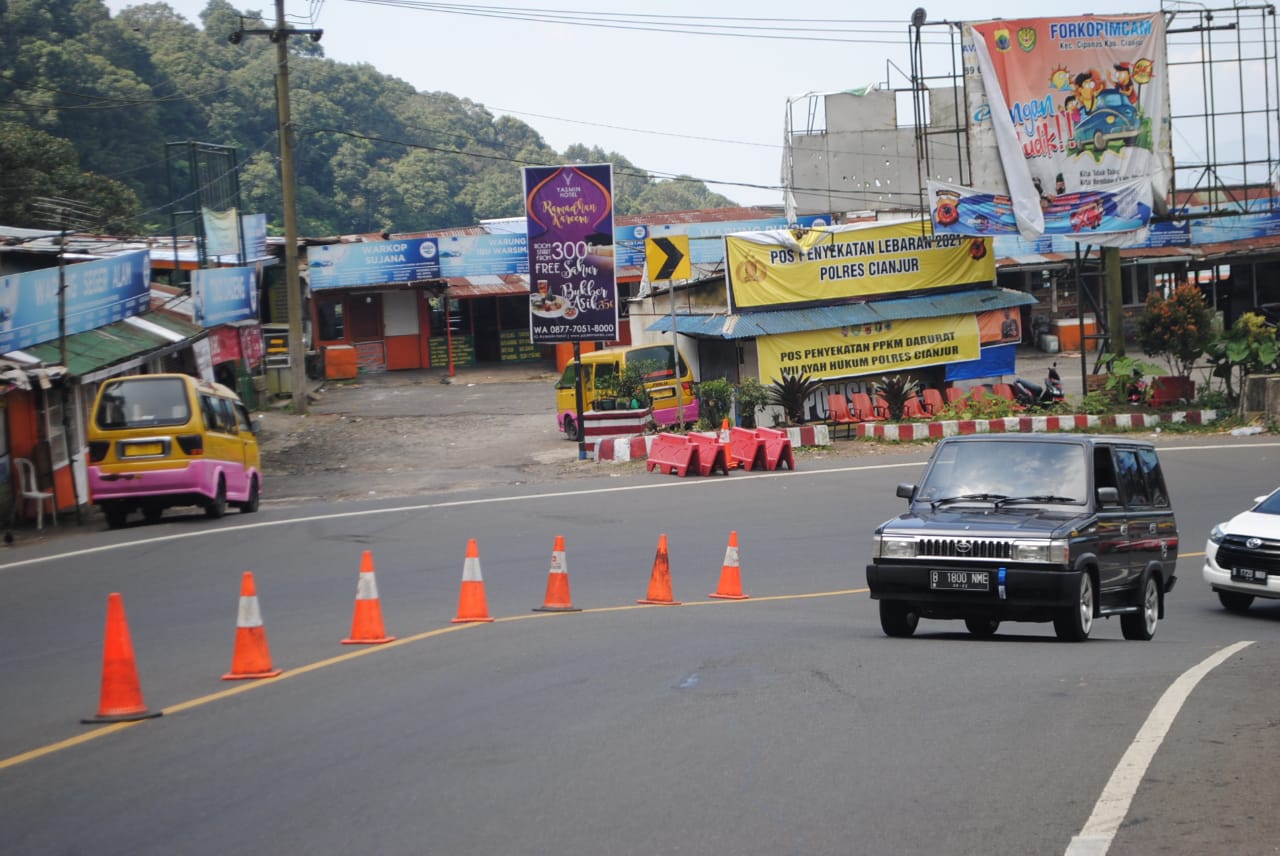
574,293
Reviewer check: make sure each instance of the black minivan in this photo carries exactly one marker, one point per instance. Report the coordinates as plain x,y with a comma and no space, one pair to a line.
1030,527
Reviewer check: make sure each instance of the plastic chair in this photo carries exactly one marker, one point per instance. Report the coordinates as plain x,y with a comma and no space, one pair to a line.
932,400
913,409
863,408
838,413
30,489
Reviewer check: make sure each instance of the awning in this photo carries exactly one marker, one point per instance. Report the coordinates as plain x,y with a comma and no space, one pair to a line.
750,325
487,286
119,347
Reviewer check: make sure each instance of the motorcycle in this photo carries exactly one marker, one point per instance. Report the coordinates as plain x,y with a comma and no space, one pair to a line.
1039,397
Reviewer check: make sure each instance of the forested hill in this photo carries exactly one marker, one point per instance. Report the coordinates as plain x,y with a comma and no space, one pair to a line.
88,102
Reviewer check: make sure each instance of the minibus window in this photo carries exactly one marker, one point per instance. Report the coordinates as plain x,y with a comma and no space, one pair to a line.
143,402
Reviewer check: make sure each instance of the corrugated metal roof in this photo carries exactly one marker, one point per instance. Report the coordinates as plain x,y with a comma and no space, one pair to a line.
749,325
487,286
93,350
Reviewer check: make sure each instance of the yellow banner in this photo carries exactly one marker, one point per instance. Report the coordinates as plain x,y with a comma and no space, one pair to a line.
774,269
884,348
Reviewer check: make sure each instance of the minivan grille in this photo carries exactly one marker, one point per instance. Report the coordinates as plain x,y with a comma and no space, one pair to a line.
1233,553
964,548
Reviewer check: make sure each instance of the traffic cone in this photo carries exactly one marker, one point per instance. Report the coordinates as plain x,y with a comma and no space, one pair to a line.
120,699
660,579
557,599
730,576
252,657
366,623
471,600
726,443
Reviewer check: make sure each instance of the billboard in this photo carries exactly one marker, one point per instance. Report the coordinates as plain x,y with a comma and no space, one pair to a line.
1066,113
223,295
98,293
569,214
887,346
780,268
372,263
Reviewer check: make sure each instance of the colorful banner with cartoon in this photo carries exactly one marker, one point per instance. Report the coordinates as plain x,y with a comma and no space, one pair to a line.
1073,105
960,210
569,217
768,270
889,346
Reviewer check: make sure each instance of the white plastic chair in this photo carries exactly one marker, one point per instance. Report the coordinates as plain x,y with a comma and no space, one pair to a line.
30,489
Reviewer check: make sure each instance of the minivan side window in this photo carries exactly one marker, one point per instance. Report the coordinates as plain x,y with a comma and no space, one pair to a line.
1154,476
1132,482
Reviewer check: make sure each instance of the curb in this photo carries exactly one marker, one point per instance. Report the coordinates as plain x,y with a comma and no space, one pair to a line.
636,448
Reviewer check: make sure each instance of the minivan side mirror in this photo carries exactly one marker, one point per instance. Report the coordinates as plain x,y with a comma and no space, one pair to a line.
1108,496
907,491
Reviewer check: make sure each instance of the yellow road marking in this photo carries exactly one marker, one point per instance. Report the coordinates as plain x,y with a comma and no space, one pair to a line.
117,727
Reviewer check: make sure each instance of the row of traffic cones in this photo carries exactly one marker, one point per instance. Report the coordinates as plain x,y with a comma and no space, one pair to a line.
120,697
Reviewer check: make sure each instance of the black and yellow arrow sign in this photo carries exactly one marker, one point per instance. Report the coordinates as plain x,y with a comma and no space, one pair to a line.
667,258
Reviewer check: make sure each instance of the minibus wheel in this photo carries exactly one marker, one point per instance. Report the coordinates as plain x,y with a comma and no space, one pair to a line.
116,514
217,506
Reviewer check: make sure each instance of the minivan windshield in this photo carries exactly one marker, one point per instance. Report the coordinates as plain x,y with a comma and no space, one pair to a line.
1004,473
143,402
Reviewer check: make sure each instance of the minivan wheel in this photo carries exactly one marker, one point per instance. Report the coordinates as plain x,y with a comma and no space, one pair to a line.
250,505
217,506
982,628
1235,601
1141,625
570,429
898,619
116,514
1073,623
152,513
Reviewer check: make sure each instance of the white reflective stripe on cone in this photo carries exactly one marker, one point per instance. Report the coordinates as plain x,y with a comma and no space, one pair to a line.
249,614
558,562
367,587
471,570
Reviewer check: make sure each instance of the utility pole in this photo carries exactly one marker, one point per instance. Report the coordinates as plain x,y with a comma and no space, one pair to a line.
297,354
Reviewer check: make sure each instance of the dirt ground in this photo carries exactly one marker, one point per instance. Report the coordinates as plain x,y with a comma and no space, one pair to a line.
408,433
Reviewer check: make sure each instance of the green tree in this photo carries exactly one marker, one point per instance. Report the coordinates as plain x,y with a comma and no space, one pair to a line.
1175,328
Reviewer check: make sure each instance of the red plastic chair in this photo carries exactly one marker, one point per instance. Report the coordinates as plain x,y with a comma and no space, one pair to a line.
955,395
932,400
1005,391
864,410
913,409
838,413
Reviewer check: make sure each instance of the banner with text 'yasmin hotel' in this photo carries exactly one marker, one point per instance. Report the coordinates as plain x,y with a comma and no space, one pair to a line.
780,269
1068,129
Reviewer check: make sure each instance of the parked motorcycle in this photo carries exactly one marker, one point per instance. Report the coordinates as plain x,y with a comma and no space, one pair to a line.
1039,397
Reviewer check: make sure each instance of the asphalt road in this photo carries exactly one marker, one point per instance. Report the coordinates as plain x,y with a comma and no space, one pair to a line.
786,723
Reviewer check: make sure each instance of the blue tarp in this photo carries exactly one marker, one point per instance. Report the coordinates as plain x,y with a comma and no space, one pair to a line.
995,361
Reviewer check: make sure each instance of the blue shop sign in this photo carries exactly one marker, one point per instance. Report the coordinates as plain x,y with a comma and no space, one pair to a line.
223,295
373,262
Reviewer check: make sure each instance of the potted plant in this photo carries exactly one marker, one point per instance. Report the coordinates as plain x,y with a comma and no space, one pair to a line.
896,392
791,392
1176,328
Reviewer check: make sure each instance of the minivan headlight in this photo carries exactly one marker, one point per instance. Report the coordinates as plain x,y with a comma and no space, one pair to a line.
890,547
1054,551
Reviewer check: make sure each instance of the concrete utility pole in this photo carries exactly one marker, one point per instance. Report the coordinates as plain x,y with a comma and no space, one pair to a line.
297,353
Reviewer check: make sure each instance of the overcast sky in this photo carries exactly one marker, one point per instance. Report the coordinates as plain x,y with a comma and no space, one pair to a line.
665,83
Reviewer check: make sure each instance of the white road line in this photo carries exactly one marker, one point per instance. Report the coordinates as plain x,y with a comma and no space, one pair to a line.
1113,805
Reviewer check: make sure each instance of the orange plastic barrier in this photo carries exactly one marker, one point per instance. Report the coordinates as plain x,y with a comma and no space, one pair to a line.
120,699
747,448
777,448
673,453
710,453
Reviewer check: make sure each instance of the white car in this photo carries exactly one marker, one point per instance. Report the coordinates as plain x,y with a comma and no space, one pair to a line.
1242,557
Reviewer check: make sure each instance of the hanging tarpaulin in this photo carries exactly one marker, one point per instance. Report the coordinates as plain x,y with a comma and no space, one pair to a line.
1068,112
569,213
221,232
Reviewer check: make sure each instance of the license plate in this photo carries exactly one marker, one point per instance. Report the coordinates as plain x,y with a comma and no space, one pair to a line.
142,450
960,580
1248,575
663,392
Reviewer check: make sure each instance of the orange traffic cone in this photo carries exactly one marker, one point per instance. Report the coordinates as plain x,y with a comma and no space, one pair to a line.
557,599
366,623
730,577
252,657
121,697
727,445
660,580
471,600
